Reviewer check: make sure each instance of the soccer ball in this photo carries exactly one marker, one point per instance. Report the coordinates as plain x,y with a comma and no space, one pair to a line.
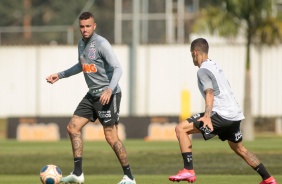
50,174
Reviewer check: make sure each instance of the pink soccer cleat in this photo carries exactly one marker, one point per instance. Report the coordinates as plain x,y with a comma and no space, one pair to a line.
184,175
269,180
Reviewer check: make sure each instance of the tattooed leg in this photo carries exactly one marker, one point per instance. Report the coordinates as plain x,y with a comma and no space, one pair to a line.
113,139
74,130
249,157
120,151
77,145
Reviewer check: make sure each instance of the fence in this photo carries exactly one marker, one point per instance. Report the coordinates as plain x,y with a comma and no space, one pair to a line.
163,71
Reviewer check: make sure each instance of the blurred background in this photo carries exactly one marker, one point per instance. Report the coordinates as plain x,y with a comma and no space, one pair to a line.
152,41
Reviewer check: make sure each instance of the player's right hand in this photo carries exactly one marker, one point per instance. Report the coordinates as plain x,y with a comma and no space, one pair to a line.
207,124
52,78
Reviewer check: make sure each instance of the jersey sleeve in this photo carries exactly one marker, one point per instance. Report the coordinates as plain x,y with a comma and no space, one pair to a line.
110,57
205,78
75,69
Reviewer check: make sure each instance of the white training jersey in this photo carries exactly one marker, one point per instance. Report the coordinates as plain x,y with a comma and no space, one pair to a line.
211,76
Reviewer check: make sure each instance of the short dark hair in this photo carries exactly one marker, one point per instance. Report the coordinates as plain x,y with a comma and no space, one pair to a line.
200,44
85,16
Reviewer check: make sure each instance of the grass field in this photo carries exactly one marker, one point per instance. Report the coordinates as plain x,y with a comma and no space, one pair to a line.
151,162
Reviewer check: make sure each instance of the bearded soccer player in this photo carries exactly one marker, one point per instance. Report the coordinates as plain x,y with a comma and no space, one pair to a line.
102,71
222,116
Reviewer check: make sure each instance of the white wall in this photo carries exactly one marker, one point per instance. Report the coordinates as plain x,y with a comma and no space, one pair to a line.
162,72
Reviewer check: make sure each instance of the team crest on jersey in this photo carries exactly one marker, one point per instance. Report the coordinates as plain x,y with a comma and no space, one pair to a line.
92,45
91,53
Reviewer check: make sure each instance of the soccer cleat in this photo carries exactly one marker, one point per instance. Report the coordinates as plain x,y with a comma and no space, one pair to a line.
127,180
269,180
72,178
184,175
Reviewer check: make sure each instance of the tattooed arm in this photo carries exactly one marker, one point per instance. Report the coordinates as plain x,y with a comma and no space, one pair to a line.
209,104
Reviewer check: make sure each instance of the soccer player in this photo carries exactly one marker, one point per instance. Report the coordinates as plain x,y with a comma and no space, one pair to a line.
222,116
102,71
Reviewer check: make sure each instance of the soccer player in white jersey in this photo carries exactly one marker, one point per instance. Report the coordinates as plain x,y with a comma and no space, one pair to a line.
222,116
102,72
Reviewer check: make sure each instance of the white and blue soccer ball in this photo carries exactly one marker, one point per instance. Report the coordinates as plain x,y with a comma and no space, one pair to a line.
50,174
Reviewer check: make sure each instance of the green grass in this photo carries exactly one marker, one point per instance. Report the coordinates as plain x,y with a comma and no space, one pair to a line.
151,162
143,179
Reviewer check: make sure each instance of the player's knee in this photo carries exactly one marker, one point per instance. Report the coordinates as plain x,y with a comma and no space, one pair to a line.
111,139
71,128
239,150
178,130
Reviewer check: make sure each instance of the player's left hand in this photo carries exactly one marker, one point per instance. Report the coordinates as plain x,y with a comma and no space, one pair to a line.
106,96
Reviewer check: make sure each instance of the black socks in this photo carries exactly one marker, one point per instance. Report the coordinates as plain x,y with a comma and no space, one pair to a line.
127,171
187,160
77,166
262,171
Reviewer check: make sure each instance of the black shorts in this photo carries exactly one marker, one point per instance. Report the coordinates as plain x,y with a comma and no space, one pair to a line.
225,129
90,108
